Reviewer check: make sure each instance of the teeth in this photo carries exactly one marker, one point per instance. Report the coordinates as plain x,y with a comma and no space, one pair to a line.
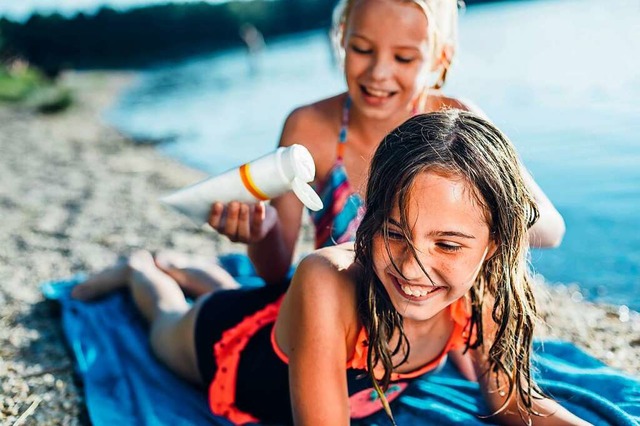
378,93
415,291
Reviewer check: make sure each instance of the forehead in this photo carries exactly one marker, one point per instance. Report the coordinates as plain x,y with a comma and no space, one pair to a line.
401,21
444,201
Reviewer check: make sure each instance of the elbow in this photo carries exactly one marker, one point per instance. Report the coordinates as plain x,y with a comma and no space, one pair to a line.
275,275
548,233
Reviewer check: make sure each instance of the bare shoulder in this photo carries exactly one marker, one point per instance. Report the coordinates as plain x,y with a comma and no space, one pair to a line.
333,267
325,283
315,126
321,301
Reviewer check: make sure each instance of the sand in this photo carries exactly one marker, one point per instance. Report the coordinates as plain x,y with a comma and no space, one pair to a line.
75,194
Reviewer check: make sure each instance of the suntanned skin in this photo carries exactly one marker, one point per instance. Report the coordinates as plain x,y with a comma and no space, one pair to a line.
318,322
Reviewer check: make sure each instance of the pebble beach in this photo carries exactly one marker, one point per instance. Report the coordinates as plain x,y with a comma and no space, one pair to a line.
75,194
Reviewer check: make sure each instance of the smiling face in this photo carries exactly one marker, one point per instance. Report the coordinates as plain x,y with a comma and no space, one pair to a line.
450,233
386,56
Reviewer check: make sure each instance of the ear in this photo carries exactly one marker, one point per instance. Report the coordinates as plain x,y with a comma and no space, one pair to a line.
343,35
444,58
491,250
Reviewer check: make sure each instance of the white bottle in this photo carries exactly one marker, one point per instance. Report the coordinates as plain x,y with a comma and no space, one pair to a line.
286,169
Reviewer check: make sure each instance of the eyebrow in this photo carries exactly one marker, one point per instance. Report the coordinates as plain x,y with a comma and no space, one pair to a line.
411,47
438,233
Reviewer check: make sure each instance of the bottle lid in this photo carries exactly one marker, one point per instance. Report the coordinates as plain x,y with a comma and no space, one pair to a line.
306,194
299,162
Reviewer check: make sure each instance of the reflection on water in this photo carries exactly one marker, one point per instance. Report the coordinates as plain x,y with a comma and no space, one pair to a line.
559,77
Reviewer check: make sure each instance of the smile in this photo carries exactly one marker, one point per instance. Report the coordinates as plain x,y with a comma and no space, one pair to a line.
378,93
416,292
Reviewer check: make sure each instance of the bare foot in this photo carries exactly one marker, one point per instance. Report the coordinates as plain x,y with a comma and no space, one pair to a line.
195,275
103,282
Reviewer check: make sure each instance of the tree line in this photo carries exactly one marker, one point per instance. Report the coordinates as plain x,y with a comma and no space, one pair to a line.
139,36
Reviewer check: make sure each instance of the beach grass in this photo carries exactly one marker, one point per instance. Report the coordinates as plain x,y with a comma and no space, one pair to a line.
25,85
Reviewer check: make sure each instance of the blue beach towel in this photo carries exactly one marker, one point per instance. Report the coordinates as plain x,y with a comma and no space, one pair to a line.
125,385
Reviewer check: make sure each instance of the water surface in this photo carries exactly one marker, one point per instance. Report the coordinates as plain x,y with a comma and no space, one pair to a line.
559,77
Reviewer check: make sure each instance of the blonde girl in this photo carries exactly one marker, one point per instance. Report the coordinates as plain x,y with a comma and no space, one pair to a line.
396,54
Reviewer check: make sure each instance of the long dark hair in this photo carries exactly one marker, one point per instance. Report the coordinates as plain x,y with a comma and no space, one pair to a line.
464,145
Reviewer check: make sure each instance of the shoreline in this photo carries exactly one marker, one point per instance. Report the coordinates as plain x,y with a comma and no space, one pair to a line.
76,194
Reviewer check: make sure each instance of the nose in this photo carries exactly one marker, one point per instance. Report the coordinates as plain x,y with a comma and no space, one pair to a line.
409,265
381,67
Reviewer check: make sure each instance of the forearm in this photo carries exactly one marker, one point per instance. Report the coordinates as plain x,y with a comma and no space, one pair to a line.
271,256
551,414
549,230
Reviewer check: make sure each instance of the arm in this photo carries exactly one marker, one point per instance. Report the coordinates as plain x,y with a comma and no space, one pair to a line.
271,255
496,393
549,230
552,413
270,230
312,329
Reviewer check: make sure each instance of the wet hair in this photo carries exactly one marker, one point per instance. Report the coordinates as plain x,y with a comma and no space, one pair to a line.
463,146
442,18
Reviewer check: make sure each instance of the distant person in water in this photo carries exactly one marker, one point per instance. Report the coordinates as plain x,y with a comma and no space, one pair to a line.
254,41
440,263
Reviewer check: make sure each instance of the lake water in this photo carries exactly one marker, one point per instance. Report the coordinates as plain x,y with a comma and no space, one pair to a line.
561,78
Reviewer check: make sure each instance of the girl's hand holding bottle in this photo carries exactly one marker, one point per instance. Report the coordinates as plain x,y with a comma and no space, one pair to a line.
243,222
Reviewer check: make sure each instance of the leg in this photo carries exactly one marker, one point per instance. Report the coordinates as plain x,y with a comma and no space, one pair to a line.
162,302
196,275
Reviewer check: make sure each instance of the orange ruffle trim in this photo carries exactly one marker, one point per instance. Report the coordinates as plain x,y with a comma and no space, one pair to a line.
222,391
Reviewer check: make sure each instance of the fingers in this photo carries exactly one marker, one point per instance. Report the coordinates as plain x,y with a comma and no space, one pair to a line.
230,226
243,229
233,221
258,219
215,218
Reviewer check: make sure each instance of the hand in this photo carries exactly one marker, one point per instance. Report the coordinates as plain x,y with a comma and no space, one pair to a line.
241,222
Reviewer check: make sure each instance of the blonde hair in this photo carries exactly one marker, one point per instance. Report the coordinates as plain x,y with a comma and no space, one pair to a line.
442,19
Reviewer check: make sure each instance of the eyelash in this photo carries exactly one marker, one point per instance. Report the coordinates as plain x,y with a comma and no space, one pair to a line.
395,236
400,59
449,247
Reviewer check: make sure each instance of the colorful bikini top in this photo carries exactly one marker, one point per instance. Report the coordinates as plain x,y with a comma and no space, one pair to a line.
343,207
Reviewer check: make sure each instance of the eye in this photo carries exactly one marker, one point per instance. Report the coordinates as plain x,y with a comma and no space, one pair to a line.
449,247
395,235
360,50
405,59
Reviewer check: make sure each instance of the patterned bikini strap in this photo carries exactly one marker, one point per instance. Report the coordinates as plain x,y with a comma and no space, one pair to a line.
344,125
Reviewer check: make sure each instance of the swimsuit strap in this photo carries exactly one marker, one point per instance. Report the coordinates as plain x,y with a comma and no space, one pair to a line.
344,125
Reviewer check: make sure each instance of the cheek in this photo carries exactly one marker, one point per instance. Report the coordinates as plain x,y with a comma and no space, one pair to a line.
462,271
354,64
